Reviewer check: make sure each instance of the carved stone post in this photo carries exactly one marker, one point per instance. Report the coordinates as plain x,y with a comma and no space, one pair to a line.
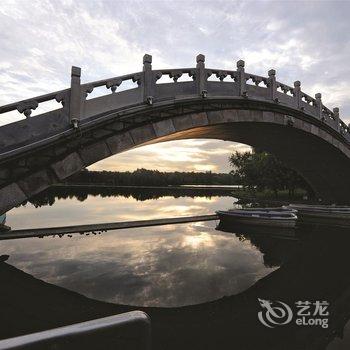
201,76
75,94
297,94
336,117
272,85
148,81
242,83
318,98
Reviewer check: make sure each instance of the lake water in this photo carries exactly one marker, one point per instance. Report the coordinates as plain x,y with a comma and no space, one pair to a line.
152,266
177,265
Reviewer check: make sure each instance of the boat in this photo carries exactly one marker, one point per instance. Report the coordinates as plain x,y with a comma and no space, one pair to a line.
267,217
331,215
283,209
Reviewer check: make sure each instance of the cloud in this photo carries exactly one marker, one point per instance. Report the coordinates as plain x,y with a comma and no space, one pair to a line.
188,155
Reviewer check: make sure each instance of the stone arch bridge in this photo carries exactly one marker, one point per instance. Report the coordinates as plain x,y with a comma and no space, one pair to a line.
199,102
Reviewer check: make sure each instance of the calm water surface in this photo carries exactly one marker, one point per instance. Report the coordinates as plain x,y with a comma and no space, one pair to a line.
171,266
168,265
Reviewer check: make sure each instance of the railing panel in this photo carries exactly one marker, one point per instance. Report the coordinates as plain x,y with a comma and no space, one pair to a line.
222,88
256,80
309,109
285,99
172,90
35,106
35,128
111,86
111,102
228,76
168,76
259,92
332,123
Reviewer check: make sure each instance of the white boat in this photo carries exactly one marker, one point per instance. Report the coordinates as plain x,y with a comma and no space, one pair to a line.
269,217
283,209
323,214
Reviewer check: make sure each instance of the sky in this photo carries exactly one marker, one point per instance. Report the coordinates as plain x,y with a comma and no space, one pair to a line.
303,40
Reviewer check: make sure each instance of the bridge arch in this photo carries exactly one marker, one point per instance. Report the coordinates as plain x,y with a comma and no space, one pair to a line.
43,150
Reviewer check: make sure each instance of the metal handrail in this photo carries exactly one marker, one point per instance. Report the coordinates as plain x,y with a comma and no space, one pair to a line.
130,330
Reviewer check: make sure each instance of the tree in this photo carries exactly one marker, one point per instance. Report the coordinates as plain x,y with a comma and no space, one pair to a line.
262,170
145,177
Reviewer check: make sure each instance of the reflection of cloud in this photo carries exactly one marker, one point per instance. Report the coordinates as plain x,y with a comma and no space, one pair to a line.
167,265
198,241
110,209
172,265
181,209
204,200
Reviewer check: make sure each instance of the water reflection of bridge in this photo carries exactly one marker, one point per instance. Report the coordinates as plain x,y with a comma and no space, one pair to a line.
315,270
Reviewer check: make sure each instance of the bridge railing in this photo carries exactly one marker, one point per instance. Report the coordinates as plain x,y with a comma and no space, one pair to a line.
223,75
174,74
111,83
200,82
27,106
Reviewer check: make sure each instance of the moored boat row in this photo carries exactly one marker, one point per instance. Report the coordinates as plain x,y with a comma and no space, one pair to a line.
323,214
287,216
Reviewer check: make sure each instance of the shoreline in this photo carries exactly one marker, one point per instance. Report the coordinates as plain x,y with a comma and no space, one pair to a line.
170,187
238,192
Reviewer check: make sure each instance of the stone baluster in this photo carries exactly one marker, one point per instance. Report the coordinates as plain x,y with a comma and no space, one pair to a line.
242,83
75,96
201,76
336,118
148,81
318,98
297,94
272,85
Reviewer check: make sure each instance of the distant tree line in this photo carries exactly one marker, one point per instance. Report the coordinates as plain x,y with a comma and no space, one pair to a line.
50,195
144,177
255,170
261,170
